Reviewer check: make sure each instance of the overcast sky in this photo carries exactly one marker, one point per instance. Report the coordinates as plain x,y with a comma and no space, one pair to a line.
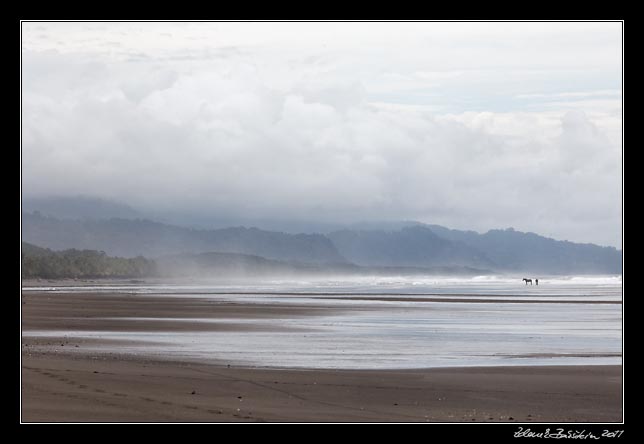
468,125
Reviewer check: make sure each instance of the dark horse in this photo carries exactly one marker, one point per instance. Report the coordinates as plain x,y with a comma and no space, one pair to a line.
527,280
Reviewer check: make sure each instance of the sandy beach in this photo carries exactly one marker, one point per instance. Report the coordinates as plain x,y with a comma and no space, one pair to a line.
66,380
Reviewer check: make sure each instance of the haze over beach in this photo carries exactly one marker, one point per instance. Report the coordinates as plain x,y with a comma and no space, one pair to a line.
321,222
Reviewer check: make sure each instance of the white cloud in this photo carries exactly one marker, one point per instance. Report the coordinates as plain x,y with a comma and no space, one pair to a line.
575,94
261,125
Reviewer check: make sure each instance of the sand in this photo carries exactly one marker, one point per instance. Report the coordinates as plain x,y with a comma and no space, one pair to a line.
63,382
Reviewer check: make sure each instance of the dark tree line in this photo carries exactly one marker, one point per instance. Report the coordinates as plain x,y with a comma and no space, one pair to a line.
44,263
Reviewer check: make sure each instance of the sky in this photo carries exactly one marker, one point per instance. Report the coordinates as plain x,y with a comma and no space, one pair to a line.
471,125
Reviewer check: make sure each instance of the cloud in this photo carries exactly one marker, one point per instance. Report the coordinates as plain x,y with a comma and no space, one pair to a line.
139,85
266,134
573,94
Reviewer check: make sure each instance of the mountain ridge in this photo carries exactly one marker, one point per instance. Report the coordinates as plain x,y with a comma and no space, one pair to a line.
414,245
134,237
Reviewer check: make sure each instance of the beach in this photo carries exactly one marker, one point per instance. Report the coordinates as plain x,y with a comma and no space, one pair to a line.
83,378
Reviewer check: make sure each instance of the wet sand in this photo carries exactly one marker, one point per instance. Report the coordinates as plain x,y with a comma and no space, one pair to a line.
65,381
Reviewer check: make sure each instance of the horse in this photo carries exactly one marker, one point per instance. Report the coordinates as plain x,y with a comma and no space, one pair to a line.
527,280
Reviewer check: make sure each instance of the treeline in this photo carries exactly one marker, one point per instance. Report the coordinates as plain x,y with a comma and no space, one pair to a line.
44,263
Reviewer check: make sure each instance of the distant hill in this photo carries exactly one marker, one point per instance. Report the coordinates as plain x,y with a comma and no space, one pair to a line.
415,246
404,247
39,262
129,238
513,250
44,263
499,250
78,207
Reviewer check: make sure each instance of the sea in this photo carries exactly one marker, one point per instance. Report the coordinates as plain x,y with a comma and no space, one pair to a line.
376,322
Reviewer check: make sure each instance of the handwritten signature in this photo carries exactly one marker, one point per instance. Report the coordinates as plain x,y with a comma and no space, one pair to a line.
566,434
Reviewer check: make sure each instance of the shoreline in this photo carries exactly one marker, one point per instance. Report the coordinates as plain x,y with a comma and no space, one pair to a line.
89,380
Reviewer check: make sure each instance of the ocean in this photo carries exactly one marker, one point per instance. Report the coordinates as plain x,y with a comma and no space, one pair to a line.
396,322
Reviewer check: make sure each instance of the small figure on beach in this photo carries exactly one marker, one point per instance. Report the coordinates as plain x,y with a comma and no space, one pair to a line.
527,280
536,281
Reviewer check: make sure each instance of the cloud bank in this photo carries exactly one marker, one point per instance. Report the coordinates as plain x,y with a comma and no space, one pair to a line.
296,129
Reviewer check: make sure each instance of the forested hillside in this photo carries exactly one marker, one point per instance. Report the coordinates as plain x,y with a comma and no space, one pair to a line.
44,263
